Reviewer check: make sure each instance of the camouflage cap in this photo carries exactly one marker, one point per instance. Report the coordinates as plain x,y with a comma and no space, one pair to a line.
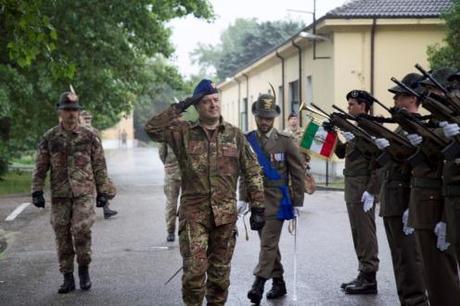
411,80
441,75
265,106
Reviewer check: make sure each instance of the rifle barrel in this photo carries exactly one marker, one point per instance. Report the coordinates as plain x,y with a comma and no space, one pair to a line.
407,88
430,77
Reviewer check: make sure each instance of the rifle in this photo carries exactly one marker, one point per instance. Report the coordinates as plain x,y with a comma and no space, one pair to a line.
453,101
399,147
440,111
340,121
408,122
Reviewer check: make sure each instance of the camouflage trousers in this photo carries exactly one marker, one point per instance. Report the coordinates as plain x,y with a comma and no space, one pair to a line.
72,219
172,185
206,249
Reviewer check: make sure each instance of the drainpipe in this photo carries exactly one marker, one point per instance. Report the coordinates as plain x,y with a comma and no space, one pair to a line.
239,101
283,123
247,100
372,78
300,78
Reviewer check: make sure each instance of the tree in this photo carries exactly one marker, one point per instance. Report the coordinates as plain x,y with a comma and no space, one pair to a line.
98,46
242,42
449,54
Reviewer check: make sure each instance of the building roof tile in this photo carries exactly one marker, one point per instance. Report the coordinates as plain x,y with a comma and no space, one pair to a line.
390,9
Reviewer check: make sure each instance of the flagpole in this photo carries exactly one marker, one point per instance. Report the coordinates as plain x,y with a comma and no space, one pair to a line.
294,296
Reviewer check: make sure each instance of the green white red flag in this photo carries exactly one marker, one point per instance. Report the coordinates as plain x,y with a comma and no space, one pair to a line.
318,141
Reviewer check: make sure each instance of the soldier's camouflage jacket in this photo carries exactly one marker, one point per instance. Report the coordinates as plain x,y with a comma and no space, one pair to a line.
76,162
210,167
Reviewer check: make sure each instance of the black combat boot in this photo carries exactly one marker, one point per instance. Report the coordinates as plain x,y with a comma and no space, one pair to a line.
278,289
344,285
69,283
85,281
257,290
171,237
108,212
366,284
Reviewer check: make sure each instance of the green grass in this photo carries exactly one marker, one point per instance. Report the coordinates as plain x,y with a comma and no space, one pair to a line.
340,184
16,182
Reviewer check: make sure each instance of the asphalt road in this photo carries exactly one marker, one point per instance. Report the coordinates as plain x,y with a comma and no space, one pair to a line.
132,261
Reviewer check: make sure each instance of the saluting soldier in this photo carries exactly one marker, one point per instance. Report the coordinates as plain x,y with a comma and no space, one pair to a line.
394,208
211,154
75,158
361,187
427,216
276,152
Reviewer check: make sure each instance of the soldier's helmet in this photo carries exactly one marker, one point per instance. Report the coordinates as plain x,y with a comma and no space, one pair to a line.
69,100
411,80
265,106
441,75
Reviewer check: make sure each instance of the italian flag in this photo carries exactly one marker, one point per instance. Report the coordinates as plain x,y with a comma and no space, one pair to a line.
318,141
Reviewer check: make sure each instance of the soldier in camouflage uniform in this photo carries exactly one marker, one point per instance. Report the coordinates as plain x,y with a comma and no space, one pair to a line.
361,186
172,184
297,133
85,120
284,157
75,158
211,153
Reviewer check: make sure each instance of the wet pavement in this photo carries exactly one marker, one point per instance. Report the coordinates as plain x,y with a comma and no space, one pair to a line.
132,261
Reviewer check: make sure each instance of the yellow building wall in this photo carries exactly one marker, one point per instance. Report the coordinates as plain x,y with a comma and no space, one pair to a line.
397,50
229,104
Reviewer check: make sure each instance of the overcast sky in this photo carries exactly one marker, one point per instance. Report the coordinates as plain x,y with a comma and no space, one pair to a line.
188,32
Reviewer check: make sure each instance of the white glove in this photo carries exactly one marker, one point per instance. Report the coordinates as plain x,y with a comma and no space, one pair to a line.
348,136
368,201
381,143
415,139
405,219
449,129
440,231
242,208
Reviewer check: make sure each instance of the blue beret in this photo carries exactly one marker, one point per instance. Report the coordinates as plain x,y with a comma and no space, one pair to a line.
205,87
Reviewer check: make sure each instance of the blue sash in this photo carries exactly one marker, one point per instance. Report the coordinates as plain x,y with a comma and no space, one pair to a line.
285,211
